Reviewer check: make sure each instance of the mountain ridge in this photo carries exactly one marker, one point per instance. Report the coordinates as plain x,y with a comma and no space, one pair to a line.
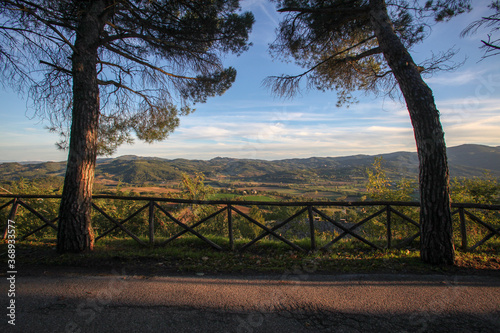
468,160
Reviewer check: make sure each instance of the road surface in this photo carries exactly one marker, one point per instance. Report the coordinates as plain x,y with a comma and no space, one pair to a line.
298,302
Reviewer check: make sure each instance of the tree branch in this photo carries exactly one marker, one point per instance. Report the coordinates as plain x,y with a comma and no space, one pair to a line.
40,8
363,9
491,18
287,86
145,63
59,68
490,45
48,24
122,36
110,64
354,58
122,86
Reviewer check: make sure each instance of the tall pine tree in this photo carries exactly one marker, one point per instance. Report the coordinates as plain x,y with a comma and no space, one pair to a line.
112,69
346,45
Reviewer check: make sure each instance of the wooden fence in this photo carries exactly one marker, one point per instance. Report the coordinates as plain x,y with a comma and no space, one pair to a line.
230,209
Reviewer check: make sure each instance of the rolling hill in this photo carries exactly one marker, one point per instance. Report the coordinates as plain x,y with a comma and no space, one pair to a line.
465,161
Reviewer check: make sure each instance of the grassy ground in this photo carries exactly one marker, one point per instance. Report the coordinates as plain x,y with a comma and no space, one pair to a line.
190,255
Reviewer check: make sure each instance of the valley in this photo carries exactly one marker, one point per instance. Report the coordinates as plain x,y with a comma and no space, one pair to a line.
316,178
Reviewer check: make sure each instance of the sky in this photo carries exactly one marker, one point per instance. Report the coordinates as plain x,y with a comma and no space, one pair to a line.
249,122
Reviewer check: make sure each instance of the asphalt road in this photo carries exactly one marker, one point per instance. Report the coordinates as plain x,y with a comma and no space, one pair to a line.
298,302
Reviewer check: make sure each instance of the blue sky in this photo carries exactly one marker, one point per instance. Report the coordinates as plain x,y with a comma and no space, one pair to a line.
248,122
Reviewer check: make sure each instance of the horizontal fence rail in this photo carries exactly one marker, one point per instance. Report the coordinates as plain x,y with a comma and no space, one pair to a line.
160,211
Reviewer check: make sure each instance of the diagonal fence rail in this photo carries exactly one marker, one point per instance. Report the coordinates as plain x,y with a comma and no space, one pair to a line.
156,213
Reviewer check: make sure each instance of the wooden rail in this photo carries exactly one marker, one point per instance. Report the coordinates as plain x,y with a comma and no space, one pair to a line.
229,210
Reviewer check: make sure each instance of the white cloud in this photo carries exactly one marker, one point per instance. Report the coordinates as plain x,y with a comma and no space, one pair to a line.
204,132
387,130
456,78
468,110
247,123
484,131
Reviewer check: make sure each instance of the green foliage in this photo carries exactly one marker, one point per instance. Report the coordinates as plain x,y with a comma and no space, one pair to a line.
210,86
34,186
378,184
194,186
120,210
485,190
247,229
25,220
443,10
380,187
195,189
482,190
334,41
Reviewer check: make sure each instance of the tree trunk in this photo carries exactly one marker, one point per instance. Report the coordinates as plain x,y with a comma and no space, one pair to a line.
435,211
75,232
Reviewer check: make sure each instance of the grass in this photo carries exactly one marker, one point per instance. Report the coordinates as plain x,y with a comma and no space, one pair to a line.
258,198
191,255
232,196
223,196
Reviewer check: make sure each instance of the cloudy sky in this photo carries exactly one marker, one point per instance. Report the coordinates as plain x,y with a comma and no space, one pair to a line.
248,122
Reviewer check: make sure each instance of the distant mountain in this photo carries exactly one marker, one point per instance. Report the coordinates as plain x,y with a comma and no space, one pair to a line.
465,161
475,156
14,170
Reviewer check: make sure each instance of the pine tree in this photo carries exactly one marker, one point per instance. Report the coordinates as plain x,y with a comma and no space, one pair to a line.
112,69
348,45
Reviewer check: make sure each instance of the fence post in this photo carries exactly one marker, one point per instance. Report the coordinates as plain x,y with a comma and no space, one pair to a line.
12,216
311,228
230,226
151,222
389,229
463,229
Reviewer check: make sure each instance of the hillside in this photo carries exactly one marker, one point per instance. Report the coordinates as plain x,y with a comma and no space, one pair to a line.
464,161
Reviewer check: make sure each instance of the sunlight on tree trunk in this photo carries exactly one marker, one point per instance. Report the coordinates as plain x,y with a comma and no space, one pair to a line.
75,232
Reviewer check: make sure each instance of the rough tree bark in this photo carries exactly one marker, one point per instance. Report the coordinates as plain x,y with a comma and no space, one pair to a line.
435,211
75,232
